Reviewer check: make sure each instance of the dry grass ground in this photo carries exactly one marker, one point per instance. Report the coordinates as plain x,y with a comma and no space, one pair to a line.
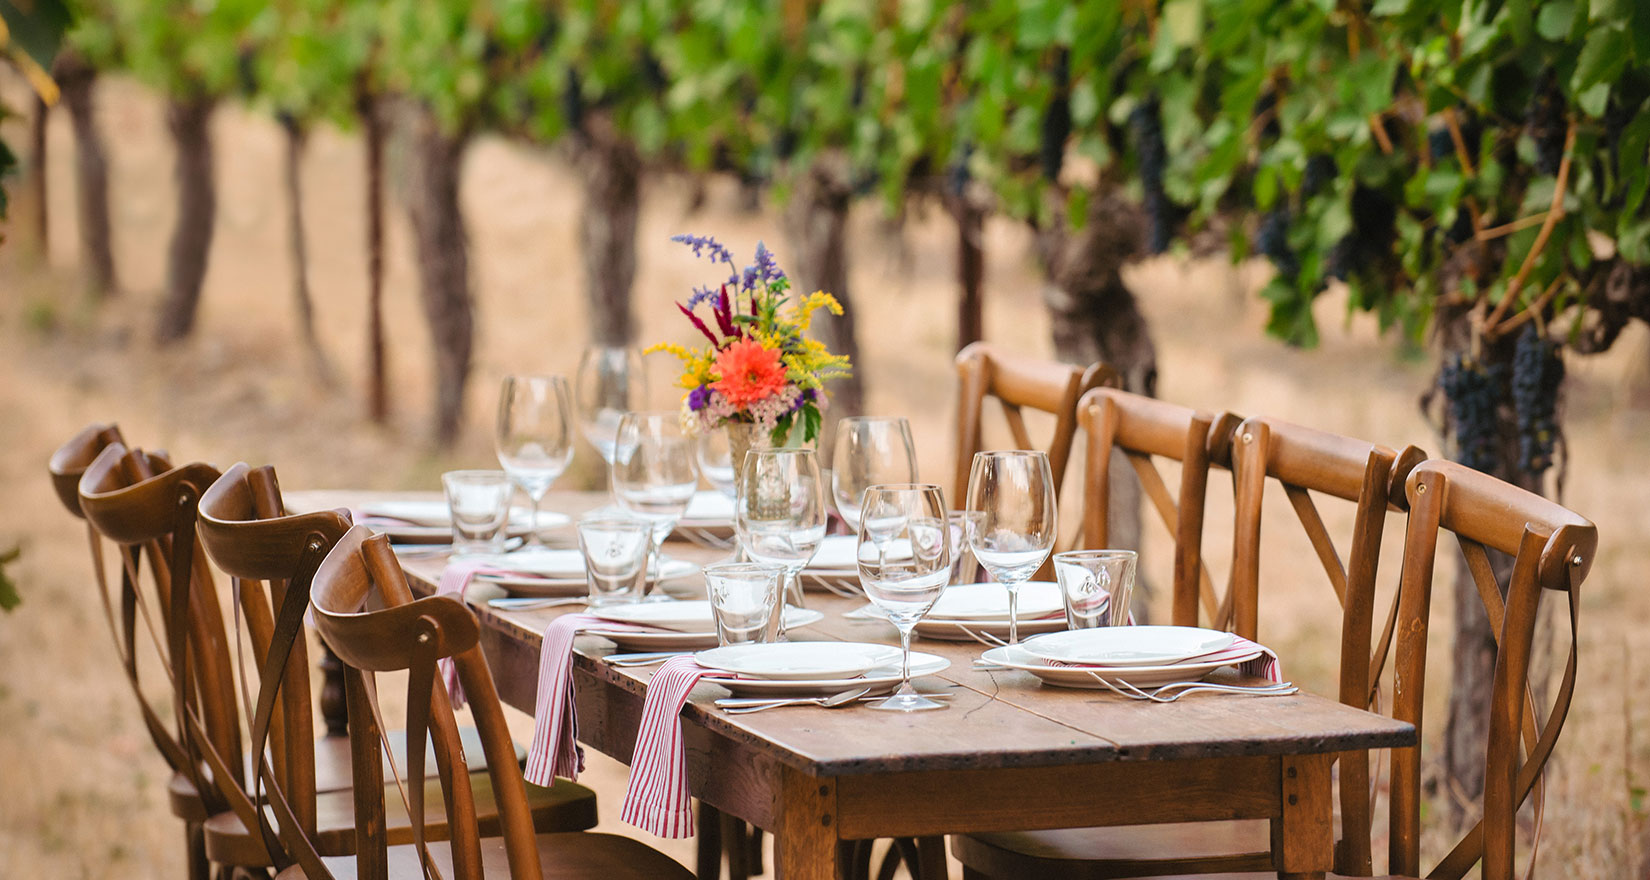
81,790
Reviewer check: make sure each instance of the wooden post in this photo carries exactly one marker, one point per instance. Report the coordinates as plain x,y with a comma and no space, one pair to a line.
805,842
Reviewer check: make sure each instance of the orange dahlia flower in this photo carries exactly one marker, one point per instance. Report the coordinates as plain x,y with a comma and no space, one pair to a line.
750,373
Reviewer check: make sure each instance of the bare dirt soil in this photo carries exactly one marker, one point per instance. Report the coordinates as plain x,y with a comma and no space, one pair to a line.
81,789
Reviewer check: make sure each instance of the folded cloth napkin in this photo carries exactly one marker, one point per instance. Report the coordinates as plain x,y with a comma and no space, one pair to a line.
1265,666
554,750
454,578
656,799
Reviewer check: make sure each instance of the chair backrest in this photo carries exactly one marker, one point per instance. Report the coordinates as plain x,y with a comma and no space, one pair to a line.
1018,382
1309,464
413,635
245,530
145,504
1144,429
71,459
1552,548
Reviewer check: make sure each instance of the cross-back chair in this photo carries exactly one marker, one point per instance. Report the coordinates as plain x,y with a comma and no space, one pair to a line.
1305,463
412,635
272,557
147,506
1018,383
66,467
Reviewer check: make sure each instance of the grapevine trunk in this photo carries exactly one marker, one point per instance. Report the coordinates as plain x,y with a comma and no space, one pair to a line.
190,122
443,263
78,81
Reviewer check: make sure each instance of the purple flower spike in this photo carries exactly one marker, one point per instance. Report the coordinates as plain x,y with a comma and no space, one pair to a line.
766,269
699,243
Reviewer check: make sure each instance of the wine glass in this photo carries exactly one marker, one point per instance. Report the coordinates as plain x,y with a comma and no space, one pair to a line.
716,462
906,575
1014,494
781,513
533,438
654,474
611,381
869,450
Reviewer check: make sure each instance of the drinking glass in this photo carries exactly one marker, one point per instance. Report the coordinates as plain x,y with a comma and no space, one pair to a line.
478,503
716,462
744,596
965,569
1014,493
780,515
869,450
906,575
610,382
615,552
1097,586
533,438
654,473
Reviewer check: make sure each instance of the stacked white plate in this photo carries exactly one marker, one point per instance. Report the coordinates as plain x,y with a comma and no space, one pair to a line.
834,562
814,668
677,625
708,510
969,610
431,520
1144,656
545,571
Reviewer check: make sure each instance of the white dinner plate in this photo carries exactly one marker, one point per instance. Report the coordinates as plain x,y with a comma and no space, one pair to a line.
944,630
880,680
565,565
708,510
675,640
1128,645
1016,657
990,602
835,555
800,661
436,514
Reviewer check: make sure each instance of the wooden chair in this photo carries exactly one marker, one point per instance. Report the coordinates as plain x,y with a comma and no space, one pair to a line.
146,506
361,572
1018,382
243,526
1304,462
68,464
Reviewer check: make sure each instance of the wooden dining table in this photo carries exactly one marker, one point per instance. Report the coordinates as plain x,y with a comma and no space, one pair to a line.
1008,753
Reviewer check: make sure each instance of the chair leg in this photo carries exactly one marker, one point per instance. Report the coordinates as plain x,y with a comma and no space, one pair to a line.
709,845
931,863
735,841
194,843
753,853
854,859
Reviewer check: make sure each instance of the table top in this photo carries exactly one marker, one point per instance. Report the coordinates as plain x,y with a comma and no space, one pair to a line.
995,720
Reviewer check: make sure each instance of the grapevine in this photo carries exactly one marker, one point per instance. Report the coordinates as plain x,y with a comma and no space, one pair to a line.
1147,123
1057,120
1537,372
1474,392
1546,122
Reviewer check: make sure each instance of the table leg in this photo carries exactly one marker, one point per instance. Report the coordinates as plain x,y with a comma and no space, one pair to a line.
1303,837
805,843
333,710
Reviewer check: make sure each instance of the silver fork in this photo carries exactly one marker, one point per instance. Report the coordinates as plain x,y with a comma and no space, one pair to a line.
1182,688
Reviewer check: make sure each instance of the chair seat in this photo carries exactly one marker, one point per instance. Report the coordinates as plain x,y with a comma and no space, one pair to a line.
1120,851
567,806
185,799
567,856
332,769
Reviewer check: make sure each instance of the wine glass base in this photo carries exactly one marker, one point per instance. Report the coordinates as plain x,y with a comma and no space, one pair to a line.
907,703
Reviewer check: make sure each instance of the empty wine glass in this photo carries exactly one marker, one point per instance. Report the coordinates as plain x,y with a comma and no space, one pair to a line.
611,381
869,450
1014,494
716,462
905,575
654,473
533,438
781,513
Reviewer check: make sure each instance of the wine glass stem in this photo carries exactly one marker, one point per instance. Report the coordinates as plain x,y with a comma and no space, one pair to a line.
905,658
533,521
1013,613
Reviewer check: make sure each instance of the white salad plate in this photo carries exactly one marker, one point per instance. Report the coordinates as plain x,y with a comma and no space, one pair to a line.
1016,657
950,630
880,679
990,602
702,636
708,510
1128,645
800,661
551,571
437,514
835,556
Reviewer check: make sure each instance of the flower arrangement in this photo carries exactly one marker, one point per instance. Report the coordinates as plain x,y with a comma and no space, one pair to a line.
759,368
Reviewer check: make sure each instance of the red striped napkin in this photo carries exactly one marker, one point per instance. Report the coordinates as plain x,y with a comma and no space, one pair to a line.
1265,666
454,578
657,798
554,750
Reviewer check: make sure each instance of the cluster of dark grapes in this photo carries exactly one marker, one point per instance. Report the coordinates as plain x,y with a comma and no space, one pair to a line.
1320,170
1374,219
1147,124
1273,241
653,74
1057,119
1546,122
1474,392
1264,106
1537,371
